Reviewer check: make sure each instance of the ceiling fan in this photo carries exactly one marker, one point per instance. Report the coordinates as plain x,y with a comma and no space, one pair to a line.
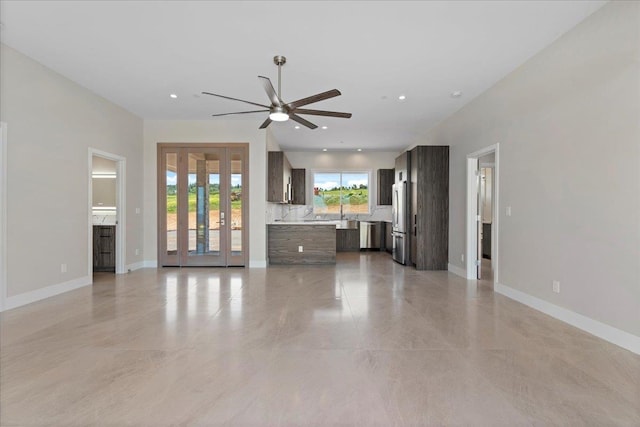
279,111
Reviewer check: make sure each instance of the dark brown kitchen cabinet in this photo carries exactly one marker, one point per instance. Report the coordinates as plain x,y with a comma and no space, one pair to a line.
429,232
278,178
298,184
347,240
104,248
388,237
386,178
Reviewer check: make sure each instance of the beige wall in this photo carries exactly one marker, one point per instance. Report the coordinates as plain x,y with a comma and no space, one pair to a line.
52,122
568,124
214,131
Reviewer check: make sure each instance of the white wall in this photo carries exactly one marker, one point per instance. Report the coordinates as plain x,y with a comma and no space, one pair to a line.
568,124
52,122
212,131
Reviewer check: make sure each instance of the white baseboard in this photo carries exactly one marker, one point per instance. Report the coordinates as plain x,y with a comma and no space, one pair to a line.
457,270
150,263
46,292
601,330
135,266
257,264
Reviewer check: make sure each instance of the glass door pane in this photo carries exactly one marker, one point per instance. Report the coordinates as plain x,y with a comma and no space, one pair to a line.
215,215
168,208
237,208
172,203
205,210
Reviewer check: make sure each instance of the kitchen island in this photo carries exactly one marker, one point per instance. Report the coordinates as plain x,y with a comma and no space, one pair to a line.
302,242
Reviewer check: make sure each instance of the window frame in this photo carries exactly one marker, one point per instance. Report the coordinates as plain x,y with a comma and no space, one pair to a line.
368,172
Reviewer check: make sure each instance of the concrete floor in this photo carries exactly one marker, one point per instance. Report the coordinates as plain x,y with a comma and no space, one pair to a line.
364,342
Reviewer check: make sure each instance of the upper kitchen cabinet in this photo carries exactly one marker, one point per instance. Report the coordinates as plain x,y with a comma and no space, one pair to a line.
386,178
430,207
278,178
298,184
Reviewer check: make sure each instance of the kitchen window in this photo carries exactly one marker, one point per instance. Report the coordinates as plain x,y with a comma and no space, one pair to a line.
341,193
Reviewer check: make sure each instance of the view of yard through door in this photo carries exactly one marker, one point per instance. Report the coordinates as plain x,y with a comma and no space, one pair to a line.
203,198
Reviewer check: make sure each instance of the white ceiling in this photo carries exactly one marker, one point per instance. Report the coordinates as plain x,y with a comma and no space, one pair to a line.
136,53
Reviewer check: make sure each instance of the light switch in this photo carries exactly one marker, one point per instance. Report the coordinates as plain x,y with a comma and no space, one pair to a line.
508,210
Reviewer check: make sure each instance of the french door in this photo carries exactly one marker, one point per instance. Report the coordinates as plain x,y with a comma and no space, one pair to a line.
202,204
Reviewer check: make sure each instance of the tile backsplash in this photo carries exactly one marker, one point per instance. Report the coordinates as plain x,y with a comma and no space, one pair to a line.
283,212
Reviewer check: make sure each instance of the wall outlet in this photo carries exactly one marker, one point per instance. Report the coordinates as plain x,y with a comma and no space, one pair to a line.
508,210
556,286
63,268
300,249
137,251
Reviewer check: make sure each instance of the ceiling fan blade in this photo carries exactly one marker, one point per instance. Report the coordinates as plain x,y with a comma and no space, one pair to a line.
271,92
235,99
302,121
314,98
239,112
322,113
265,124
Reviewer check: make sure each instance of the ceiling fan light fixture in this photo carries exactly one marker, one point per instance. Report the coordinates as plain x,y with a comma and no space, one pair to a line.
278,115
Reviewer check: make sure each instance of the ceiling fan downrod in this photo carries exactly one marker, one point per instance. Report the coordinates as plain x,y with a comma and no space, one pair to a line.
279,60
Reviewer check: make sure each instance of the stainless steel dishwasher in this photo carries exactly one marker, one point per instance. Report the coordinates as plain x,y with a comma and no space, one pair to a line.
370,235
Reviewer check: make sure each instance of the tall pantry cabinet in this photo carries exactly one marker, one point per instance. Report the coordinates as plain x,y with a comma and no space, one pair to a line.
429,233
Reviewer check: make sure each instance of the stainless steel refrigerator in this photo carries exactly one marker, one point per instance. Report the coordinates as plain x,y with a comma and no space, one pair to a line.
399,223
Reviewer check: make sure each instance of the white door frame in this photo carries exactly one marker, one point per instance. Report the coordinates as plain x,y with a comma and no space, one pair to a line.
121,227
3,215
471,248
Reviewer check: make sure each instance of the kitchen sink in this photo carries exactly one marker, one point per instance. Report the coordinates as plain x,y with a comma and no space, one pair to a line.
347,224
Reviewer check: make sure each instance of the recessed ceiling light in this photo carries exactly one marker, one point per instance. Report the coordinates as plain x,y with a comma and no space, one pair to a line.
324,149
359,149
402,97
456,94
296,127
324,127
173,95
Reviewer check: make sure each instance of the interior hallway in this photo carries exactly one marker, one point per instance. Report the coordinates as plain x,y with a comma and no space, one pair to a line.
365,342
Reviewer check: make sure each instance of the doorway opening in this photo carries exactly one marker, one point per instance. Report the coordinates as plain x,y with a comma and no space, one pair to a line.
486,165
482,214
106,213
3,215
203,205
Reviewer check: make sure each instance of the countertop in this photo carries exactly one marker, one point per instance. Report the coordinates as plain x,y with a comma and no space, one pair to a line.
339,224
328,222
